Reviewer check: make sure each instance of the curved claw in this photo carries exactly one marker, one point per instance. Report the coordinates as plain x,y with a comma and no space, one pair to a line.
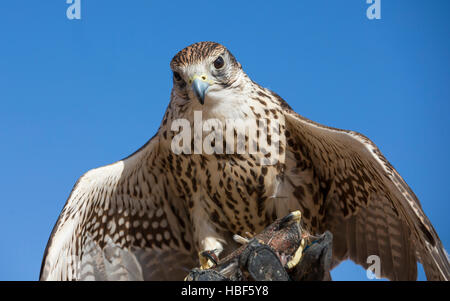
208,259
240,240
297,255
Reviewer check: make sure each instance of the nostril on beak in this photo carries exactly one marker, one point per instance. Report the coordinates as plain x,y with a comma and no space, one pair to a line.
199,88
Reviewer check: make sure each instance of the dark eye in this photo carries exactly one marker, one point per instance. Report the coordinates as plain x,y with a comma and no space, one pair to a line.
219,62
177,76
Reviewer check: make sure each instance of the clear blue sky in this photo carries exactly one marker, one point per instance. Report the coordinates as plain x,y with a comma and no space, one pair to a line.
79,94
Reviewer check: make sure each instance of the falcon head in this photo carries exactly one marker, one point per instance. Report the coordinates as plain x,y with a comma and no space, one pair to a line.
204,72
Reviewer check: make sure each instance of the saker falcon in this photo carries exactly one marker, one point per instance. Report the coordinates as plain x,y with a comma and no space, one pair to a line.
147,217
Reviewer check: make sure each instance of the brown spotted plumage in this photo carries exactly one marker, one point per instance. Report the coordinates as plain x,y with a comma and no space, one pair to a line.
146,217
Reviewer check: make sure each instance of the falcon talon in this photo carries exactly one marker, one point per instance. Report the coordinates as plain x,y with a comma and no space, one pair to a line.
240,240
316,260
297,256
270,255
208,259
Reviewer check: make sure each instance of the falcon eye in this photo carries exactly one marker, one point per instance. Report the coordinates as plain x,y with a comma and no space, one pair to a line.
177,76
219,62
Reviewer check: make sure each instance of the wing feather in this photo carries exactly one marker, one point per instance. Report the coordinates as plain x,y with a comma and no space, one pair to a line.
368,206
120,222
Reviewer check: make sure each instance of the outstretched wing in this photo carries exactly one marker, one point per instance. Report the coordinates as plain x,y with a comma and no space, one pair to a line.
121,223
366,204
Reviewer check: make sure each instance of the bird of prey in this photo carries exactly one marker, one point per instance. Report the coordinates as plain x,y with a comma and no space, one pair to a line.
148,216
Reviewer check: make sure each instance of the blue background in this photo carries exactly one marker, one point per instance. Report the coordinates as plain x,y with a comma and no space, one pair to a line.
78,94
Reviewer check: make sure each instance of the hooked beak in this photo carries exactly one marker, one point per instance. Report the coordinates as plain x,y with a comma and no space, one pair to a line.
199,86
